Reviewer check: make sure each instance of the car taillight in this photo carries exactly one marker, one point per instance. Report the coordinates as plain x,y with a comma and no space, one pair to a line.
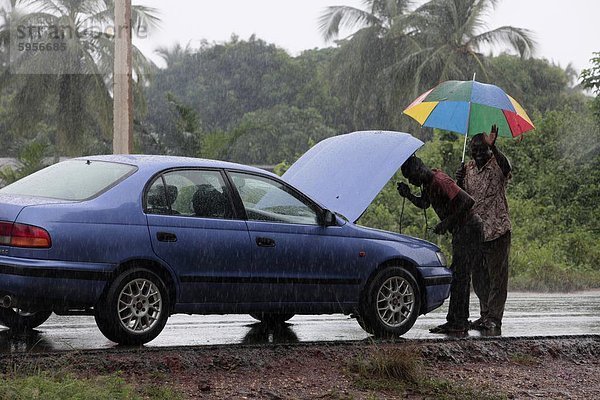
21,235
5,233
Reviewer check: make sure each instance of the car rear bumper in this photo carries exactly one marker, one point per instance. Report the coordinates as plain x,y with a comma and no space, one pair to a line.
52,283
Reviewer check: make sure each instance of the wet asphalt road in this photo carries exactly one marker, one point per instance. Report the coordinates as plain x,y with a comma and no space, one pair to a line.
526,315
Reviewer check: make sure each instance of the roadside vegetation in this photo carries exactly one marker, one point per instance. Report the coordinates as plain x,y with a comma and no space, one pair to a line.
249,101
402,371
46,386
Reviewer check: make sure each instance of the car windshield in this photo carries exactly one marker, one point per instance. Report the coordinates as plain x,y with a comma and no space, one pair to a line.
74,180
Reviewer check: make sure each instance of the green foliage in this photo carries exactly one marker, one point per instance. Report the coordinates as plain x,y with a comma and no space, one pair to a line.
556,228
402,368
449,40
536,84
272,135
57,387
215,144
68,89
402,364
233,87
590,79
442,389
31,159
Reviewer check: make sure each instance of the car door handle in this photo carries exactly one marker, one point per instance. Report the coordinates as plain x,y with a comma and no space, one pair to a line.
265,242
166,237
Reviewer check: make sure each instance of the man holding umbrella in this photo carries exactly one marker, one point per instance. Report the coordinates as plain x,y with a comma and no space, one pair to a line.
485,179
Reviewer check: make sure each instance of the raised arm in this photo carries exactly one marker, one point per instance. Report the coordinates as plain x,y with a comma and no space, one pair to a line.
502,161
500,158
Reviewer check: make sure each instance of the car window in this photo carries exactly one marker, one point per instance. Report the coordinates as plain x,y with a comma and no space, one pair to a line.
266,199
71,180
190,193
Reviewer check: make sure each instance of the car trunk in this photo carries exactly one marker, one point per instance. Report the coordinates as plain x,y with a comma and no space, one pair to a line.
10,208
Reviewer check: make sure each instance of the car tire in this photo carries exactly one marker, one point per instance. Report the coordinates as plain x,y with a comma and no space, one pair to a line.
135,308
363,325
19,320
391,303
272,318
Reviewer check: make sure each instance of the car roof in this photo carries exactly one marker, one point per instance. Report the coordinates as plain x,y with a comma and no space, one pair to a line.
158,162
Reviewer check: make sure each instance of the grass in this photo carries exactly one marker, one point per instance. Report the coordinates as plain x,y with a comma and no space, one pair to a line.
551,278
441,389
44,386
523,359
402,370
565,263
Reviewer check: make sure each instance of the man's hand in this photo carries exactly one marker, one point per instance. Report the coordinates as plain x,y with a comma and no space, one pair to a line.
460,173
490,138
403,189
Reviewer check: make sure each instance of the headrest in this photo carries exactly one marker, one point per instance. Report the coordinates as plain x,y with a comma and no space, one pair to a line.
158,198
209,202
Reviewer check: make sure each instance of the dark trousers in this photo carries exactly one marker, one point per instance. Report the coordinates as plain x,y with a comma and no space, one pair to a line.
490,280
466,256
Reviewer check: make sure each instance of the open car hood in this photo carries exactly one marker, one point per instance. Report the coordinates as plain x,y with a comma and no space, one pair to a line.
345,173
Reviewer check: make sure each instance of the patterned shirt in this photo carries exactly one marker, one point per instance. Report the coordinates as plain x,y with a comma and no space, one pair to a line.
487,186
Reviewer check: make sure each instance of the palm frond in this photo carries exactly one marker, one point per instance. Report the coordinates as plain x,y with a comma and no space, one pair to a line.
518,39
46,6
336,17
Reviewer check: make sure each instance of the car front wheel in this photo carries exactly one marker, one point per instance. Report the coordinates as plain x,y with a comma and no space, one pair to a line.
135,308
20,320
391,303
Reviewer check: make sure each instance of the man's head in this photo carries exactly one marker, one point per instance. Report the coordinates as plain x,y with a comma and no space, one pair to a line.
415,171
480,150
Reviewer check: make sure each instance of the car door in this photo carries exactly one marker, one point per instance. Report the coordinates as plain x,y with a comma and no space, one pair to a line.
194,228
295,257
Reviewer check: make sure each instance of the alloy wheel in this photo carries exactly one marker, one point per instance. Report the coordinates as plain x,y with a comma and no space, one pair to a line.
140,305
395,301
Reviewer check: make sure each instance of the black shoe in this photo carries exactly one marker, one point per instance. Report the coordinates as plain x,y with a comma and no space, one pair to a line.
496,331
477,324
489,325
448,328
439,328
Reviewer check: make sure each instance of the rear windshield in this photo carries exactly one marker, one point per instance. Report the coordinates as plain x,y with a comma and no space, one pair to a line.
71,180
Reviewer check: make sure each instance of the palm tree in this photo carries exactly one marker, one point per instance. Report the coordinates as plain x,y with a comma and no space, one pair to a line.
379,15
69,85
360,71
175,54
449,37
397,53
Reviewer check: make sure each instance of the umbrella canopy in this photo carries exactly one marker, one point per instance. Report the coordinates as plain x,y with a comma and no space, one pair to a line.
469,108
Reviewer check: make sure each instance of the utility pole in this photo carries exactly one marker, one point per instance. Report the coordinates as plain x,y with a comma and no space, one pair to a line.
122,90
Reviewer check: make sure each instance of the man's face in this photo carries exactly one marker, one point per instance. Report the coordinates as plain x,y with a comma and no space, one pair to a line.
413,176
480,152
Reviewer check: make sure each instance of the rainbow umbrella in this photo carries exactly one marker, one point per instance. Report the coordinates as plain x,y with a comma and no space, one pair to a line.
469,108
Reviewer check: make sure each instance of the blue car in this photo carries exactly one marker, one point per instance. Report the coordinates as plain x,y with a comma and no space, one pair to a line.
133,239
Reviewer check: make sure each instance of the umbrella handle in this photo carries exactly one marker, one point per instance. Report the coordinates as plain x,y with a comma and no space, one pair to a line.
464,150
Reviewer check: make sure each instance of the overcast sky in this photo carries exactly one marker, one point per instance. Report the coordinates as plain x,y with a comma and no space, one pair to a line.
566,31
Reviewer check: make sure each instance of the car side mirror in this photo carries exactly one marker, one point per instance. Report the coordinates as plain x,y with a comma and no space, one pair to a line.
328,218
